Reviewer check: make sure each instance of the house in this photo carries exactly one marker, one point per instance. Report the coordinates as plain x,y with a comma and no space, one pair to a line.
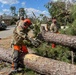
7,19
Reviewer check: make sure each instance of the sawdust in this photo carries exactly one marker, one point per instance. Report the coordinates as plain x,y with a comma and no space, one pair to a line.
6,42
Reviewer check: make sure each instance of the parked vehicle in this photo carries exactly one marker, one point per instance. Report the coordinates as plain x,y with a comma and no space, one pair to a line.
3,26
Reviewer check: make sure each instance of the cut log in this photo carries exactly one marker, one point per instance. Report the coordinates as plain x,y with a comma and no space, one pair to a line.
48,66
62,39
6,55
42,65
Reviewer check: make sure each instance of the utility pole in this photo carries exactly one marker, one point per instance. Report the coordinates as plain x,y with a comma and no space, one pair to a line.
66,4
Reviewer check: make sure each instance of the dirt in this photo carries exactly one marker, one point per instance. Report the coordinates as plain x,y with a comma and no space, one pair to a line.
6,42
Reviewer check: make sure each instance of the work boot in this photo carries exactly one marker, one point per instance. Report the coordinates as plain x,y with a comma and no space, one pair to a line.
14,68
13,72
21,68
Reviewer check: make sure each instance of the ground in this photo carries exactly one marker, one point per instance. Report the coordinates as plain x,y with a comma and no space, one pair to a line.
5,42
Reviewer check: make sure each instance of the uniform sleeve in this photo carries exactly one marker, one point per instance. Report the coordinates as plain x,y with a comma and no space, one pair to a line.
55,29
21,32
51,27
17,22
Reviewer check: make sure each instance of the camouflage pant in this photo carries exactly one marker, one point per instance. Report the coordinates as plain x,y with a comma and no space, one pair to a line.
18,59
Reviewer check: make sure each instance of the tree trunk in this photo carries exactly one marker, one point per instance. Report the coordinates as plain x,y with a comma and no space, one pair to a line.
42,65
48,66
65,40
6,55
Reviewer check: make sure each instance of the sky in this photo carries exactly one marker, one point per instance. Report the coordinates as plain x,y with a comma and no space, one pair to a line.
36,6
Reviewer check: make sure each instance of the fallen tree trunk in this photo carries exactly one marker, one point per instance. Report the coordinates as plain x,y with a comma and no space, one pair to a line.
48,66
6,55
61,39
42,65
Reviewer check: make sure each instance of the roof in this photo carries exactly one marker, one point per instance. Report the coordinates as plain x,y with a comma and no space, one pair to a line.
6,17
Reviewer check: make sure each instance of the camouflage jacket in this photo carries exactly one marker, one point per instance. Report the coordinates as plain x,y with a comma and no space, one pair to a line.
17,23
53,28
19,34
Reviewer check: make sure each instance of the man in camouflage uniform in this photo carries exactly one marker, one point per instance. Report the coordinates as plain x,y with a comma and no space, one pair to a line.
19,35
54,28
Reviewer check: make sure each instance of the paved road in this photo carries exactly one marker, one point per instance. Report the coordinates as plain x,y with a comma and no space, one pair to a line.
7,32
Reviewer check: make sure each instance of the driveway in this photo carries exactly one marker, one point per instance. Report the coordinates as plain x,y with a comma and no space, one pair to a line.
7,32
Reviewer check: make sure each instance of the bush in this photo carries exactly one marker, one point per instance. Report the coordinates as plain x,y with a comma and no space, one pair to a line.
58,53
13,21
